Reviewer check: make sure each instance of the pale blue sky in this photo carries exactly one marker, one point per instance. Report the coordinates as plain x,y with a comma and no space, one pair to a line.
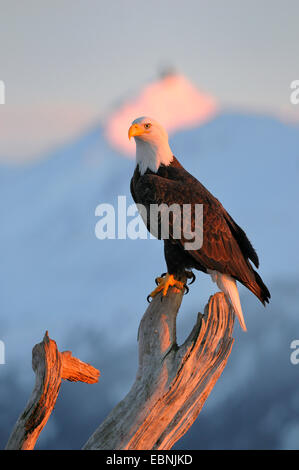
88,54
244,52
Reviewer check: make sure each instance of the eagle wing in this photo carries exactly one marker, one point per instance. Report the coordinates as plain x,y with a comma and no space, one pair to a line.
225,246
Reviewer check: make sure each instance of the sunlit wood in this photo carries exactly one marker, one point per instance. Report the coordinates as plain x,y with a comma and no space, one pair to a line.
50,367
172,382
171,386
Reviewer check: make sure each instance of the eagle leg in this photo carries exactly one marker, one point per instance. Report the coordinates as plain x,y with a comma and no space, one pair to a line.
163,285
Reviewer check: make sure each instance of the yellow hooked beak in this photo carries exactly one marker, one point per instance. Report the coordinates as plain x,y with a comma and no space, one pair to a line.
135,130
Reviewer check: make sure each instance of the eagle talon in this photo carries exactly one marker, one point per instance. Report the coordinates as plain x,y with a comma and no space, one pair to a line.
163,284
190,275
186,289
158,280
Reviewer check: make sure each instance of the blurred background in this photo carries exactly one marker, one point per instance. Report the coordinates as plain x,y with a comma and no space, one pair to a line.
218,76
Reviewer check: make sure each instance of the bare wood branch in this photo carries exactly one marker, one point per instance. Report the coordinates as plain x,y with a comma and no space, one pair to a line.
50,367
75,370
172,383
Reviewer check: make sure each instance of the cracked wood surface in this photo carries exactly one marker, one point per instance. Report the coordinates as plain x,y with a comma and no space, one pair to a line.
172,382
50,367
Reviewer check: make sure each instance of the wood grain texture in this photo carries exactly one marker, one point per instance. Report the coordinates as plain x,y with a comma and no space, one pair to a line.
50,367
172,382
171,386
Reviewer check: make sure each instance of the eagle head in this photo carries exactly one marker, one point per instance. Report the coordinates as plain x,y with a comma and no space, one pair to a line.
152,147
147,129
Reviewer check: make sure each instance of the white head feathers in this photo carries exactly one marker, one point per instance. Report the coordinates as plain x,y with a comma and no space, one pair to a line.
152,147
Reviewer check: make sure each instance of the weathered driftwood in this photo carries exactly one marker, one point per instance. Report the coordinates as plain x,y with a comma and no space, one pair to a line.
50,367
172,382
171,386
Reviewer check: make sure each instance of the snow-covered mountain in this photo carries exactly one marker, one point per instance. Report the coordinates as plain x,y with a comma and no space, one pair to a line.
172,100
56,275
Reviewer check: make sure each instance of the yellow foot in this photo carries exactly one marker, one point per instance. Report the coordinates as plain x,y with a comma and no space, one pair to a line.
164,283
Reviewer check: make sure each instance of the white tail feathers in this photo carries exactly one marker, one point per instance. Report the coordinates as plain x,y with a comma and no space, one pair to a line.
229,287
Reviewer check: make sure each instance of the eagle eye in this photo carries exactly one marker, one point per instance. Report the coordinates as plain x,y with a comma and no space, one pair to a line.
147,125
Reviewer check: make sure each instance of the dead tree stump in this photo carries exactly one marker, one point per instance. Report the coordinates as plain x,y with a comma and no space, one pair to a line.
173,382
50,367
171,386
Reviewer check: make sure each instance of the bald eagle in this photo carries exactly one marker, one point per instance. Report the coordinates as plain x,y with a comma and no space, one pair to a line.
225,253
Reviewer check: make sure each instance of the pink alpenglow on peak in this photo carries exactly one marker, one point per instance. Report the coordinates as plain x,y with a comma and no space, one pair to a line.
171,100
